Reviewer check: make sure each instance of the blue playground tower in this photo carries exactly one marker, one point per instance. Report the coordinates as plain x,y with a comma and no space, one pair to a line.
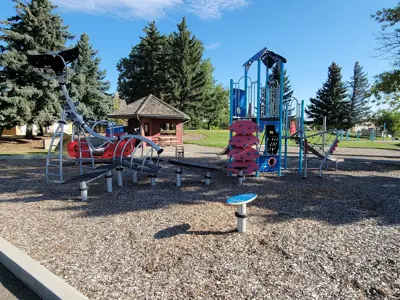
264,105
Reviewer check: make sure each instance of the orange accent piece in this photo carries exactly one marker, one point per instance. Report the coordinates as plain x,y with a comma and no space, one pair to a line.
292,127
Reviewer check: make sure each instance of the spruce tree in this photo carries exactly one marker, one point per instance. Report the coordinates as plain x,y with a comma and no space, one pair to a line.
34,29
215,107
358,103
330,101
287,88
144,71
88,84
186,73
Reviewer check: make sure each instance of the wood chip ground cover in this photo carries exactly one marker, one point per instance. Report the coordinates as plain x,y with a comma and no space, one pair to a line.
336,237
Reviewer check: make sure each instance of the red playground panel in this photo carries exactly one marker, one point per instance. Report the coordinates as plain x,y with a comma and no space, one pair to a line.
248,153
235,151
293,127
244,127
244,140
250,167
73,150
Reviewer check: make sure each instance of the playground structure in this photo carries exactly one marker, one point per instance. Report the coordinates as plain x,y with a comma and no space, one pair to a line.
259,107
256,109
116,148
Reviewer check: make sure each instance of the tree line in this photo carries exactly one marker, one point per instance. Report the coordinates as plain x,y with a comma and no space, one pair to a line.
26,98
347,104
386,88
344,104
172,68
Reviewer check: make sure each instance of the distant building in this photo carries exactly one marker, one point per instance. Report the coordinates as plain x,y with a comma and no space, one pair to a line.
364,126
149,116
21,130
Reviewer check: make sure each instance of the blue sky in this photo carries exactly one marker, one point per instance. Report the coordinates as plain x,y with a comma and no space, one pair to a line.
309,33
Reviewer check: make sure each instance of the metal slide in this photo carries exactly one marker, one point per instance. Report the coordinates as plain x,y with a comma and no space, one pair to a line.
58,63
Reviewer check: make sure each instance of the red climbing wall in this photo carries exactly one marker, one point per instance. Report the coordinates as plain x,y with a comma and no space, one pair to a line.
242,154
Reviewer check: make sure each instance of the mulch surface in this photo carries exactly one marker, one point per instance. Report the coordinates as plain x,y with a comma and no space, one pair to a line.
335,237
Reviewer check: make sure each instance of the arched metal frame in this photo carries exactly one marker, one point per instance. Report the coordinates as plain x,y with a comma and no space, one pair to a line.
78,119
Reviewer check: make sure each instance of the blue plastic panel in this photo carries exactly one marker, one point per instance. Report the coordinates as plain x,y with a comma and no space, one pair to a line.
264,123
269,163
239,103
117,129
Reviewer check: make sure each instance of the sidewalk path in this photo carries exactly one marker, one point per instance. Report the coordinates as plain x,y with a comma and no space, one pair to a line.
12,288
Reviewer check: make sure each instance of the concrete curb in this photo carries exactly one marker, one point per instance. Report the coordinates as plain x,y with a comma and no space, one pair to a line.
40,280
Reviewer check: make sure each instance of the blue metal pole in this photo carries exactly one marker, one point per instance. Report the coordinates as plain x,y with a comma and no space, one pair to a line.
266,109
287,120
245,93
231,118
280,116
258,106
301,135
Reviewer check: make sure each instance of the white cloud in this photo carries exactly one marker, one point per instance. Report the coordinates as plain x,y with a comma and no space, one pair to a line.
213,9
152,9
212,46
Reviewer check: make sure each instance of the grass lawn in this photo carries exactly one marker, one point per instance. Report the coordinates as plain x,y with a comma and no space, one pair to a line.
24,152
219,139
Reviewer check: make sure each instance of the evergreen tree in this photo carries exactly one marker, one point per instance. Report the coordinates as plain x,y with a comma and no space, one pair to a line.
209,104
88,84
144,71
215,107
287,88
26,96
330,101
358,104
186,73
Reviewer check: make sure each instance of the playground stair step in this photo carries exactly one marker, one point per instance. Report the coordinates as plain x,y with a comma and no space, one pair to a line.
99,171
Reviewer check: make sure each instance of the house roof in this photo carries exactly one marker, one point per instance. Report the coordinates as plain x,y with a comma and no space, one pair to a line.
150,107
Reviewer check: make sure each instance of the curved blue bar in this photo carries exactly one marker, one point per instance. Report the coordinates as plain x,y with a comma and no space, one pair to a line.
241,199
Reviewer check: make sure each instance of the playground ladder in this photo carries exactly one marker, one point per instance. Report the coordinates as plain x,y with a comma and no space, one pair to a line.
318,150
327,156
80,132
54,161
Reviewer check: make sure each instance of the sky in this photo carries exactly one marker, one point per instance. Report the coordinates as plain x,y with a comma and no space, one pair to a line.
310,34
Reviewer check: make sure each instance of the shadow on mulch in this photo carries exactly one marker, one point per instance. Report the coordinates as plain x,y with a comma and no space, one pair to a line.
351,195
184,229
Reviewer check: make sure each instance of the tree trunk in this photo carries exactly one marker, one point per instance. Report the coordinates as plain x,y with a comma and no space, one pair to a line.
29,131
1,132
41,131
209,124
